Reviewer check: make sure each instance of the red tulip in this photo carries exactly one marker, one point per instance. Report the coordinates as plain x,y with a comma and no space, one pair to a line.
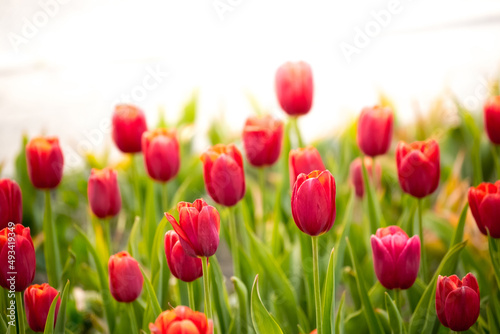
457,302
223,174
161,154
182,266
303,160
129,123
103,193
45,162
418,167
37,301
294,88
356,171
313,202
125,277
396,258
262,137
484,201
181,320
198,227
11,203
20,274
492,119
375,130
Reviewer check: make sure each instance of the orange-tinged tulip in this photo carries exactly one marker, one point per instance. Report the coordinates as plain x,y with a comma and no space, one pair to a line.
45,162
181,320
37,301
129,123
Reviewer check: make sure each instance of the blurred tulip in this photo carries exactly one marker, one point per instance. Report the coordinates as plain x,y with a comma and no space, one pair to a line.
262,137
396,258
457,302
11,203
18,239
182,266
198,227
314,331
161,154
484,202
104,193
356,171
492,119
418,167
125,277
303,160
181,320
375,130
223,174
129,123
313,202
37,301
294,88
45,162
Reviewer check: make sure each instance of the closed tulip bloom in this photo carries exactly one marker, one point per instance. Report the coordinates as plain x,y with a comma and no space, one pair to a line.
181,320
11,203
161,154
356,171
313,202
457,301
25,259
182,266
294,88
375,130
104,193
125,277
45,162
396,258
418,167
37,301
303,160
129,123
198,227
484,202
492,119
223,174
262,137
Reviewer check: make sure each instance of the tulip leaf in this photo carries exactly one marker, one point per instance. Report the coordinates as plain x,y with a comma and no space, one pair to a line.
495,257
61,315
263,321
340,318
395,320
341,244
493,321
458,235
219,293
329,298
159,274
153,300
374,210
133,239
51,245
242,320
49,323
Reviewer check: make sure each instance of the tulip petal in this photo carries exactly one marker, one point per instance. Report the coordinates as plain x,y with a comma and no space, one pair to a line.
208,230
462,308
383,264
489,210
312,208
408,263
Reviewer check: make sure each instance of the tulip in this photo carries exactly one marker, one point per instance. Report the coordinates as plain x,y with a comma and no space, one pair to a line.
314,331
45,162
484,202
125,277
161,154
37,301
375,130
103,193
182,266
294,88
181,320
11,203
356,171
396,258
492,119
223,174
129,123
418,167
262,137
17,238
457,301
303,160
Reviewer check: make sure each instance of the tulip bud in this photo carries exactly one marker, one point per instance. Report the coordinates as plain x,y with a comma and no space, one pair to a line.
457,302
198,227
492,119
161,154
223,174
103,193
303,160
181,320
375,130
484,202
313,202
17,239
182,266
11,203
314,331
294,88
45,162
262,137
125,277
356,171
396,258
129,123
418,167
37,301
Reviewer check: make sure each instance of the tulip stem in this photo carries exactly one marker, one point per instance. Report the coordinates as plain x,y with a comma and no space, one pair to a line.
495,159
397,297
20,312
421,234
233,237
51,245
137,188
133,319
206,287
295,123
262,184
164,196
317,287
107,234
191,296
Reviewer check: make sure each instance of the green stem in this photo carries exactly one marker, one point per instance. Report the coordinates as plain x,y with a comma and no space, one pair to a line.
397,296
51,245
423,261
262,184
20,312
164,196
295,124
206,287
133,319
137,188
233,237
192,304
496,159
317,288
107,235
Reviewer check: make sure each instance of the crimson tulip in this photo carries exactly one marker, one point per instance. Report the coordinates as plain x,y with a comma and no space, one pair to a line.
181,320
262,137
129,123
45,162
492,119
161,154
11,203
294,88
125,277
303,160
104,193
356,171
484,202
182,266
375,130
37,301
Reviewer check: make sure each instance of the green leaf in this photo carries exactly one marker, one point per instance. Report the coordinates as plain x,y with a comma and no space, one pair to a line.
242,319
189,112
219,293
493,321
495,257
61,315
458,235
340,318
153,300
329,298
263,321
49,323
341,244
133,239
160,275
395,320
374,210
51,245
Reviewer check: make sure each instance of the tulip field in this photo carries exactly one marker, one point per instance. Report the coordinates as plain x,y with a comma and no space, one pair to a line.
379,228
